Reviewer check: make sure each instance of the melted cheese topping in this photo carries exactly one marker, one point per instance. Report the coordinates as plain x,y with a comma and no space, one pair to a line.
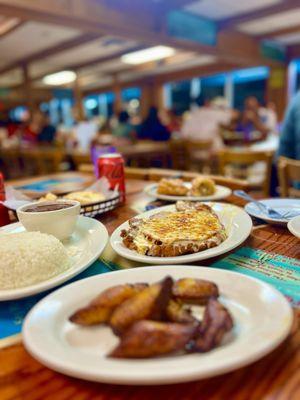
183,226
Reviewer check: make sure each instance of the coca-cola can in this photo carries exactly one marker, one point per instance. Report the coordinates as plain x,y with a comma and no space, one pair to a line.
111,166
4,216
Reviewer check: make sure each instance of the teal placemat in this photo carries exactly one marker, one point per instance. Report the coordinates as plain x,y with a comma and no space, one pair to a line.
277,270
45,185
12,313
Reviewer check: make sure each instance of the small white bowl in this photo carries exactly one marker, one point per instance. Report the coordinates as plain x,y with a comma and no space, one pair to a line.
59,223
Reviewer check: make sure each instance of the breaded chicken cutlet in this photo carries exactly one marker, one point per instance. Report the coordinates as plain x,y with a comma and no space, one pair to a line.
193,227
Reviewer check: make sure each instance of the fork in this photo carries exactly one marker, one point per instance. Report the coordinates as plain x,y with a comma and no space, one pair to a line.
264,208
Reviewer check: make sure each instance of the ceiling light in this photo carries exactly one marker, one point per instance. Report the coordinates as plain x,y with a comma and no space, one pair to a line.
146,55
59,78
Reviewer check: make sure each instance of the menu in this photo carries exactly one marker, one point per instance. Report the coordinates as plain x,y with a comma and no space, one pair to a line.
280,271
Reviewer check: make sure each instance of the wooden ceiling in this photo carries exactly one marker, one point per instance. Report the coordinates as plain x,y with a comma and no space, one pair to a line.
90,36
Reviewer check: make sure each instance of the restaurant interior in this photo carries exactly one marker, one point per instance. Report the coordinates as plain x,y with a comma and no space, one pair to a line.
162,133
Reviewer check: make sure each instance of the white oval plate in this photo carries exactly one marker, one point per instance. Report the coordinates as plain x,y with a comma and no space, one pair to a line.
237,223
85,246
262,320
280,205
294,226
221,193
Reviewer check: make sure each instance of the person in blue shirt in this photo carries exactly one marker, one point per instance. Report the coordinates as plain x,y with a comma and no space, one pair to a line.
152,128
289,145
289,142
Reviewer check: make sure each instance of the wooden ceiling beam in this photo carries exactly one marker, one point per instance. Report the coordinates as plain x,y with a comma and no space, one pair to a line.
89,63
50,51
280,32
92,16
9,25
284,5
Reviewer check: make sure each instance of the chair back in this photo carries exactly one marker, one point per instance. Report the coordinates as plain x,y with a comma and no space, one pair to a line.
247,158
198,155
288,172
41,161
178,153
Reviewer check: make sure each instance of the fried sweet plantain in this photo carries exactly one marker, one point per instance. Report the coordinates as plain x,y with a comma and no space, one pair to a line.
150,303
196,291
100,309
177,313
150,338
216,322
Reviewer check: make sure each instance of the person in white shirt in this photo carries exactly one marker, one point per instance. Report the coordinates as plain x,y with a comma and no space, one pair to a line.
203,123
269,116
84,132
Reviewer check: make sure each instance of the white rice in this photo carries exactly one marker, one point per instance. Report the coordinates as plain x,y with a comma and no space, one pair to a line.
27,258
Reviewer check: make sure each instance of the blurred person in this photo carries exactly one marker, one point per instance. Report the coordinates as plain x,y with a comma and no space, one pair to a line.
47,132
289,144
203,123
251,120
124,129
289,141
173,122
152,127
84,132
39,130
269,116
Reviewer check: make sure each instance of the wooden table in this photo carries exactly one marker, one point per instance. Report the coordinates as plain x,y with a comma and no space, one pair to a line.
276,376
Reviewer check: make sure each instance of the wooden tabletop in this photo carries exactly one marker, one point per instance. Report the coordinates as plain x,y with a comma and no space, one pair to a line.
276,376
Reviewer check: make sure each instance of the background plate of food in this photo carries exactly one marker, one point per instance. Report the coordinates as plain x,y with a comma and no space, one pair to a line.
199,189
32,262
119,327
184,232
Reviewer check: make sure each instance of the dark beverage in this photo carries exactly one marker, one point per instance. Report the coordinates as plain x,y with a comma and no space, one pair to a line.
112,167
47,207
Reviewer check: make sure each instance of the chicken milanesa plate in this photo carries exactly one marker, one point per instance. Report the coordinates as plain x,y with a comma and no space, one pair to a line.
130,326
184,232
221,192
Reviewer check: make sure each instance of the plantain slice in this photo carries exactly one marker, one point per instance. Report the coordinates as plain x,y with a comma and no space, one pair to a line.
150,338
177,313
196,291
99,309
216,322
150,303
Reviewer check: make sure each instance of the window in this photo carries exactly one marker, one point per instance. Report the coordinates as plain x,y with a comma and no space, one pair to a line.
249,82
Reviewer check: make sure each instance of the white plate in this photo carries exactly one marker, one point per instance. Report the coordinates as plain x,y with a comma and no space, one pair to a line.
237,223
280,205
85,246
221,193
262,320
294,226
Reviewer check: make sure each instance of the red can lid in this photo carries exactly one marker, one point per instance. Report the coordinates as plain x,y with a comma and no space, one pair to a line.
110,155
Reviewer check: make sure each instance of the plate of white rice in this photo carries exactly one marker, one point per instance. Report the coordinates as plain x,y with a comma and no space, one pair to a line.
32,262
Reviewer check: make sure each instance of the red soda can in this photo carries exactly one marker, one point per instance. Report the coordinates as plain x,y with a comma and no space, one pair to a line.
4,216
111,166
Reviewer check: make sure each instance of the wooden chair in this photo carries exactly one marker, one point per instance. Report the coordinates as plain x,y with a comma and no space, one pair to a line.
198,155
42,161
10,163
288,172
247,158
79,158
178,153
